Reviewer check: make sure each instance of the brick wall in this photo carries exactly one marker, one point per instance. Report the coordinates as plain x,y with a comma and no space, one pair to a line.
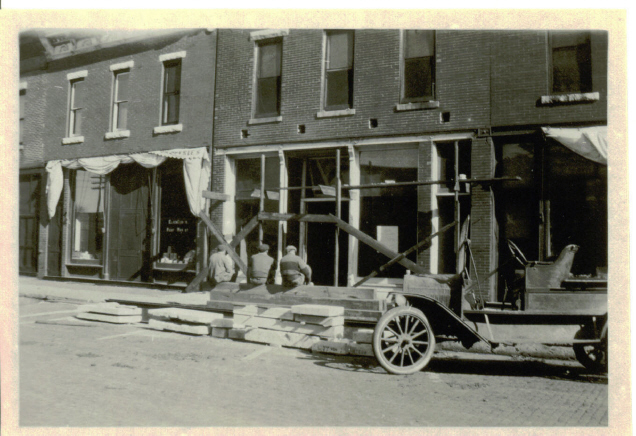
35,95
462,88
521,75
196,102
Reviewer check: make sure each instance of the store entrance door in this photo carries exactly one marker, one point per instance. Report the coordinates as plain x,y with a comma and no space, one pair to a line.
129,229
320,245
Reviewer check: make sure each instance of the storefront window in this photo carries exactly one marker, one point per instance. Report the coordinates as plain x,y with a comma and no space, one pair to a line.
88,217
178,229
388,214
248,197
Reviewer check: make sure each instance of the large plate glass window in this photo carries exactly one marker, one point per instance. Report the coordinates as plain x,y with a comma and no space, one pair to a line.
88,228
388,214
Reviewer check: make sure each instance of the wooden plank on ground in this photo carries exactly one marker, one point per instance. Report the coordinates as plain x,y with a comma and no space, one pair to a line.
363,336
317,310
110,309
185,315
378,246
325,321
295,327
291,300
331,347
286,339
113,319
334,292
196,329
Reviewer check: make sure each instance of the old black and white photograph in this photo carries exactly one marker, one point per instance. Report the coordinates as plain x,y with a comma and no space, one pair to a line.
368,224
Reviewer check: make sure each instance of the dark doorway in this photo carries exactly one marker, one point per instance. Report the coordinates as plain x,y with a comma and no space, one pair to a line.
129,230
321,239
28,238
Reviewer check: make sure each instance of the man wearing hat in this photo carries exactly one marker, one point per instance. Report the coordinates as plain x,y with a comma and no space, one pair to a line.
261,267
221,266
294,270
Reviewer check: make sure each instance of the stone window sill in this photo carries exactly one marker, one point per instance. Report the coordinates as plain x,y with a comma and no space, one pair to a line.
73,140
570,98
173,128
277,119
117,134
400,107
338,113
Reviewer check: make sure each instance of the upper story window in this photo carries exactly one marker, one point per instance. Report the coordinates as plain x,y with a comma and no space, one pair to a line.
338,87
171,92
418,69
22,105
268,78
76,107
571,62
120,100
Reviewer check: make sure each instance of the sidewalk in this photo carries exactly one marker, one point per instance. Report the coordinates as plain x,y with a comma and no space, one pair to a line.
81,292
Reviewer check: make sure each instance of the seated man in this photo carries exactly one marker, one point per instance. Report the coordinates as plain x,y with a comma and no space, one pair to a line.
294,270
221,266
261,268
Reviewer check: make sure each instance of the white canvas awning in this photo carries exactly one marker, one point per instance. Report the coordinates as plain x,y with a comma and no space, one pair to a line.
196,172
589,142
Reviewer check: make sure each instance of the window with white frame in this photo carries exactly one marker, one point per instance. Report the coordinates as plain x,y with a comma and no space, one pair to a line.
88,225
571,62
338,84
268,78
171,92
120,100
76,107
418,66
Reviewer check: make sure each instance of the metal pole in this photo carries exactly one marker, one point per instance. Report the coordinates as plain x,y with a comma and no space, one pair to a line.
338,214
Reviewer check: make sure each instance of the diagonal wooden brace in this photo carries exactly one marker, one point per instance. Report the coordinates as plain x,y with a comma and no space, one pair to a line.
228,247
377,245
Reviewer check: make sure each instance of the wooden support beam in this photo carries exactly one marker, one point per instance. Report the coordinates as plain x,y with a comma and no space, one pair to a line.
378,246
219,236
406,253
302,217
215,195
284,299
246,230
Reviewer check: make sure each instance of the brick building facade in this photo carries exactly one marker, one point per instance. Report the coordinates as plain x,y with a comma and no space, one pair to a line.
125,125
484,94
278,106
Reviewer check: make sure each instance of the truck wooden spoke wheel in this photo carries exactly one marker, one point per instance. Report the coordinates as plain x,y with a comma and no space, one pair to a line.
403,341
592,356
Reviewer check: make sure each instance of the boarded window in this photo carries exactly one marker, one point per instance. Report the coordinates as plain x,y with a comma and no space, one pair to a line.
268,79
571,62
171,92
339,70
419,65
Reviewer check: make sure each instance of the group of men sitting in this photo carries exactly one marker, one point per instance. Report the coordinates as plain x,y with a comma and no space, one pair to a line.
262,268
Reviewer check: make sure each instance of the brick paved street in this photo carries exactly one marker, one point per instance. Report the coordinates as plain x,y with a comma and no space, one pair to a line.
96,374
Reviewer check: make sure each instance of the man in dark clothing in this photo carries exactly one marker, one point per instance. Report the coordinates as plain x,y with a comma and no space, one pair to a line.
294,270
261,267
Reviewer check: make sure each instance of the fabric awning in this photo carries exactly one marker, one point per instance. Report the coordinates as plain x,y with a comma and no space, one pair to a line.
589,142
196,172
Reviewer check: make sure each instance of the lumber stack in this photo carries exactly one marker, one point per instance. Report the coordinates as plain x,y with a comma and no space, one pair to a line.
174,319
110,312
299,326
359,345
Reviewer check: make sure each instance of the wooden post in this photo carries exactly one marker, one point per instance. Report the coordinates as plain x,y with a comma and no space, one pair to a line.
302,249
338,214
261,207
457,209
